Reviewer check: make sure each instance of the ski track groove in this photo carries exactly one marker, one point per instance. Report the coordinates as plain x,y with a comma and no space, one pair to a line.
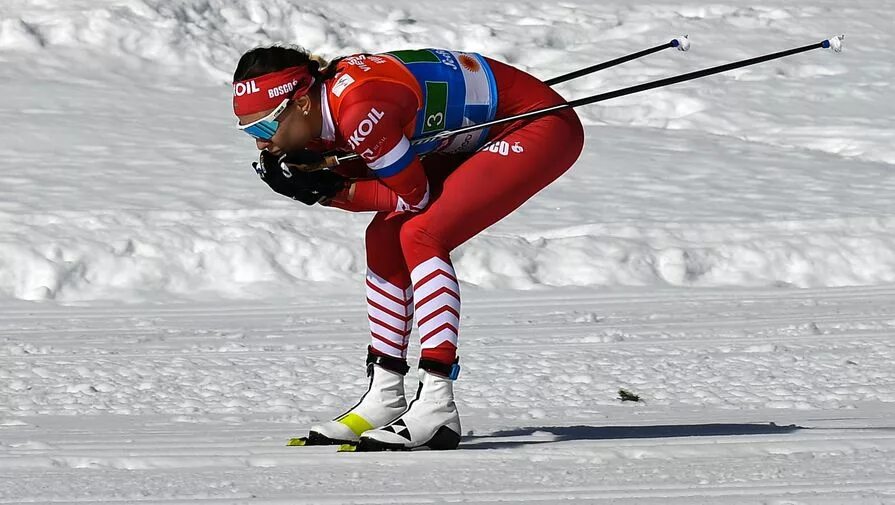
482,300
841,339
159,448
595,494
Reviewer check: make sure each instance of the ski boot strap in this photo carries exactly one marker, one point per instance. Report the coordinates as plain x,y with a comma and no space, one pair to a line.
451,371
396,365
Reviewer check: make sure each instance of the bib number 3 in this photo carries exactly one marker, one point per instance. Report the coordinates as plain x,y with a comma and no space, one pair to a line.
435,120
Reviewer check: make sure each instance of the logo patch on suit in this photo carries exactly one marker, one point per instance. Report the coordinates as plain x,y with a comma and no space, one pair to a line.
340,85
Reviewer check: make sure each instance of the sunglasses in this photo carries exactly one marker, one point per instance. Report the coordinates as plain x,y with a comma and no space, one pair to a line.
266,127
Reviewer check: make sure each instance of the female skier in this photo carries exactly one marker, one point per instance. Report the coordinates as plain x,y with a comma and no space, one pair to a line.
372,105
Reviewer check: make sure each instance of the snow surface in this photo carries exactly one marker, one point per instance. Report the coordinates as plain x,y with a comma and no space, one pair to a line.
724,248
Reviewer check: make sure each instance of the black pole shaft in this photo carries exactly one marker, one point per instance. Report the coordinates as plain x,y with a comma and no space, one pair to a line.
607,64
611,94
690,76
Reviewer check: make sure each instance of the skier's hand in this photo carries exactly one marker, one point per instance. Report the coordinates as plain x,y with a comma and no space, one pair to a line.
306,187
303,161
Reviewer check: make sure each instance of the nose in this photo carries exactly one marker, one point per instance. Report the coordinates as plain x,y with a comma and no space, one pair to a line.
262,144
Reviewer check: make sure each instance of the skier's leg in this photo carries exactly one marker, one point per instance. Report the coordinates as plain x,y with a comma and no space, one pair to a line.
388,286
482,190
390,312
432,419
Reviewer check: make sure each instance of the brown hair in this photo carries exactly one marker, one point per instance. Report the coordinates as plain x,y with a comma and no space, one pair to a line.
264,60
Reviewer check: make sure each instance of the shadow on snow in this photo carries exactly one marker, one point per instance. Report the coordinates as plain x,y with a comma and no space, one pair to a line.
552,434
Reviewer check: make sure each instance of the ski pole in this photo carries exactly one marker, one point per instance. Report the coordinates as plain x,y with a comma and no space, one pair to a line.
834,43
682,43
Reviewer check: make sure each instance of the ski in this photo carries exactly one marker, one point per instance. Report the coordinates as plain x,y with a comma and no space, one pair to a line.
344,446
347,446
314,439
359,447
367,445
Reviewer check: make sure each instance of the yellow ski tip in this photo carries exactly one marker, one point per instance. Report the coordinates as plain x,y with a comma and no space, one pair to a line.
297,442
348,448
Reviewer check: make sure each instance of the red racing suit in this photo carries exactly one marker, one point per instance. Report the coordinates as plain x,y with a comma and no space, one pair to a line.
428,206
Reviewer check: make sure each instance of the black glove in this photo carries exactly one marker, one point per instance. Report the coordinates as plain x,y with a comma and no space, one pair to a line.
303,161
306,187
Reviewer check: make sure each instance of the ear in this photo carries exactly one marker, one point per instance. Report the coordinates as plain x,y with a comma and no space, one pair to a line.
304,104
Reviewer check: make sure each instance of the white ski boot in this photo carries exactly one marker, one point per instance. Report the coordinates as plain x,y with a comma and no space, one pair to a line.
431,420
382,403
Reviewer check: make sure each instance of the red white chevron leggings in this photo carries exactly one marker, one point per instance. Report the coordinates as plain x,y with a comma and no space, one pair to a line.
408,255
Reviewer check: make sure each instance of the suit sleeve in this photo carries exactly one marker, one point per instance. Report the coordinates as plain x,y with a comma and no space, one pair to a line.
372,120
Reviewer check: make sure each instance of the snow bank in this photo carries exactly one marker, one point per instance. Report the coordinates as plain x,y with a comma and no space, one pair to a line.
783,254
210,34
173,255
168,256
